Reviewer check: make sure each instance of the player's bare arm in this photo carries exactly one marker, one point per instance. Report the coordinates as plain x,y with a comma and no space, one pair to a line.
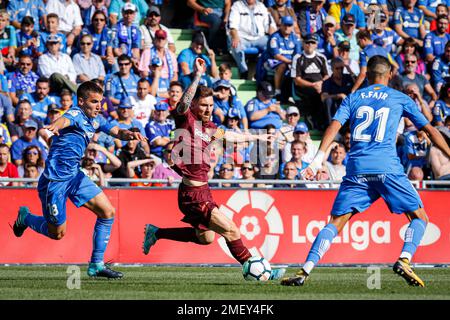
246,136
437,139
58,125
124,134
327,140
188,95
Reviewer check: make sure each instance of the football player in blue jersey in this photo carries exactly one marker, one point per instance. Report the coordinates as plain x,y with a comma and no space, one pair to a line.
63,178
373,114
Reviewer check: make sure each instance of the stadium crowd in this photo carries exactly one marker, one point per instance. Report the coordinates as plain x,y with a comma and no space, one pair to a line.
307,55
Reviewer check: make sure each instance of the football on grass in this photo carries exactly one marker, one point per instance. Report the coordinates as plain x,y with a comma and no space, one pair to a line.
256,269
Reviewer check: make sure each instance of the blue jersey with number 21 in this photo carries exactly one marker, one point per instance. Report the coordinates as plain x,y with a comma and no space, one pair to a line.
374,114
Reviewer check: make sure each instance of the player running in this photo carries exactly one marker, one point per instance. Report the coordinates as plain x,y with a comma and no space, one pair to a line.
62,177
194,196
373,169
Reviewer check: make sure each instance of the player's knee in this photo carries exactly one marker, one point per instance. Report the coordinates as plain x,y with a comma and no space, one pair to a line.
108,213
207,239
233,231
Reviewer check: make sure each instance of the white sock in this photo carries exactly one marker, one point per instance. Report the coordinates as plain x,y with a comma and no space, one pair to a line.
308,266
405,255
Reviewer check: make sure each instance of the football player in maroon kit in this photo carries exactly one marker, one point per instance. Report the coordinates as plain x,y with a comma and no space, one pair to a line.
191,156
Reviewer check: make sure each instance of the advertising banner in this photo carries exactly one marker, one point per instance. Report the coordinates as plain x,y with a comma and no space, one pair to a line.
277,224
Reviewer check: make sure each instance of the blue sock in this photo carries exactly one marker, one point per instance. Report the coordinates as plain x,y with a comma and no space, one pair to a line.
37,223
102,231
413,236
320,246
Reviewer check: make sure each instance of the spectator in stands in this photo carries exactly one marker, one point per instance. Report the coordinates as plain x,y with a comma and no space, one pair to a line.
327,39
385,35
126,121
441,73
168,70
436,40
224,101
290,172
53,113
336,167
339,9
159,129
70,18
116,10
215,14
23,113
144,103
298,151
321,175
133,150
309,71
225,73
6,110
412,90
164,170
441,110
88,65
283,45
103,38
29,138
8,40
175,94
369,49
440,164
301,133
408,21
248,173
249,24
40,99
336,88
123,83
429,8
311,16
7,169
18,10
66,100
5,136
186,60
101,149
127,37
348,33
93,170
351,66
27,39
226,172
31,155
410,76
146,168
441,9
381,5
268,169
287,130
52,29
57,66
281,9
151,25
410,47
88,14
264,109
31,171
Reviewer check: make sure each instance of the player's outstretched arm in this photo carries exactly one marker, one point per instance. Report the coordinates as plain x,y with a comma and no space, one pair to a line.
188,95
58,125
437,138
246,136
328,138
124,134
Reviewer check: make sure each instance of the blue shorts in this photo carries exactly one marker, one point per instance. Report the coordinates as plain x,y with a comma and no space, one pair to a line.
358,192
53,194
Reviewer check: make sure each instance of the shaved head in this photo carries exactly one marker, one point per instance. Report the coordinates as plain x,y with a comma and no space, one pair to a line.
378,67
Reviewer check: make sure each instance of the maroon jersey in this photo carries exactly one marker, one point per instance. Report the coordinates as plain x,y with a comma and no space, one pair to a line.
191,151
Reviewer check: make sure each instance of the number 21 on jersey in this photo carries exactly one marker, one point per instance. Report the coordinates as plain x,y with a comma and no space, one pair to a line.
363,132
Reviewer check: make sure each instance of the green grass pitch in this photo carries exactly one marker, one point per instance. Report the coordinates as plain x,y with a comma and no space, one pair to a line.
179,283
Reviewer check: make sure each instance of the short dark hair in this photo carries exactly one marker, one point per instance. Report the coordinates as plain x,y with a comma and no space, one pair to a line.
27,21
143,80
43,79
176,83
4,145
86,88
363,34
52,15
203,92
442,16
378,66
123,57
65,92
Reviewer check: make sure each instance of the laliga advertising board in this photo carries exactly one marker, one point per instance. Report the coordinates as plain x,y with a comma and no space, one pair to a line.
277,224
